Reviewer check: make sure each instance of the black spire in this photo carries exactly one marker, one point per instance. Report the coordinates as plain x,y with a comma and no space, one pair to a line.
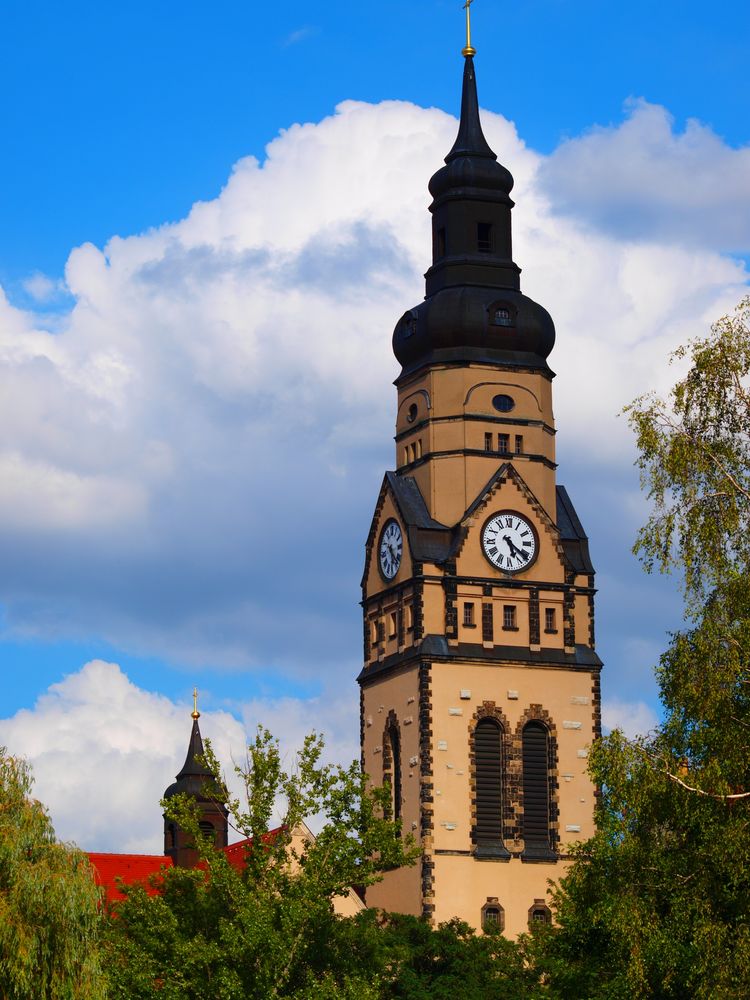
194,775
473,310
470,140
195,780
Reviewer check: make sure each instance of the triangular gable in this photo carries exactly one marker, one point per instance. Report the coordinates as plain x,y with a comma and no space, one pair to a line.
508,473
428,539
385,489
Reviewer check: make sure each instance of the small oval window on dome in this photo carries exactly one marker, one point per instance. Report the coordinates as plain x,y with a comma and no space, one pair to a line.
411,415
410,325
502,316
503,403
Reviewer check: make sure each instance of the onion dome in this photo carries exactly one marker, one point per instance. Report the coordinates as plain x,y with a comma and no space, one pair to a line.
473,309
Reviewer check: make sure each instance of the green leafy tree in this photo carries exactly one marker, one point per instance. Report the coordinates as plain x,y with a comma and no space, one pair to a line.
268,929
49,904
658,903
451,961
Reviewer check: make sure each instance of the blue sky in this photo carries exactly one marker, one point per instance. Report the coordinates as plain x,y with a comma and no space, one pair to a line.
195,362
119,117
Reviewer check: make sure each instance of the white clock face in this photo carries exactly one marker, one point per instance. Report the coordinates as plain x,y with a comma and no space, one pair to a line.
391,546
509,542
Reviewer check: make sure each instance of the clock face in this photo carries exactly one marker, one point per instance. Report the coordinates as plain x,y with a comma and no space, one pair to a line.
391,545
509,542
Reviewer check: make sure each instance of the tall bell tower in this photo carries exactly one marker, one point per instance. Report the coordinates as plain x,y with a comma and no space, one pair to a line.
480,685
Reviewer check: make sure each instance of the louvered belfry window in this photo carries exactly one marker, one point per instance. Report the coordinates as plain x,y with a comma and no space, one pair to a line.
536,816
489,782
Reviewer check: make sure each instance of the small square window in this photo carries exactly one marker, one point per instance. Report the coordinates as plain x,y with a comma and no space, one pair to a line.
488,442
493,918
394,624
469,615
550,623
484,237
502,317
519,444
509,617
539,914
503,444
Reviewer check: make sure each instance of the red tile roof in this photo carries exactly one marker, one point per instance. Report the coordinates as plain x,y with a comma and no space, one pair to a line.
235,853
131,869
134,869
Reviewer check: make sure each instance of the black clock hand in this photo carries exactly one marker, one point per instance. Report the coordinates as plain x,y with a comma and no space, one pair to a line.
514,551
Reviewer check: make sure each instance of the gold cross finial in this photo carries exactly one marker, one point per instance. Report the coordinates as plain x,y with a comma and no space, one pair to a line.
468,49
195,713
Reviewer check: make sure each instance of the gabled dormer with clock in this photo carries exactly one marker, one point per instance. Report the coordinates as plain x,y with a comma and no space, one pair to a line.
480,683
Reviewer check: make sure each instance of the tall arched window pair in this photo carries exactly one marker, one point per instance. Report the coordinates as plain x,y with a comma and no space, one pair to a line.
494,812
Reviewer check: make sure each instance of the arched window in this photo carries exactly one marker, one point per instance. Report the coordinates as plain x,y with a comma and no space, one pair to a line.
488,779
536,808
207,829
392,767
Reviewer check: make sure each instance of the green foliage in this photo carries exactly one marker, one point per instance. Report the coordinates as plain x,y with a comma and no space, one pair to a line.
451,961
658,903
49,915
695,461
269,929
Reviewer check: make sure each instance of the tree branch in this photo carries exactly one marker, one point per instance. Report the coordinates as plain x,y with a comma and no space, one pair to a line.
701,791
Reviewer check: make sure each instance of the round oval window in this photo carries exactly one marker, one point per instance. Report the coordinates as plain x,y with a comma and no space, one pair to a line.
503,403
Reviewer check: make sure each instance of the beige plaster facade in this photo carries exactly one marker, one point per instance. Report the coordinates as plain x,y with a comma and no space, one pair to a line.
542,667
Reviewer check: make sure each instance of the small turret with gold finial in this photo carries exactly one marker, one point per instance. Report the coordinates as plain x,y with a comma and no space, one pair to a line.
195,714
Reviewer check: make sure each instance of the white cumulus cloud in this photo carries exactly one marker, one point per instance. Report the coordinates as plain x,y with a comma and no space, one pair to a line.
646,180
104,750
192,450
634,718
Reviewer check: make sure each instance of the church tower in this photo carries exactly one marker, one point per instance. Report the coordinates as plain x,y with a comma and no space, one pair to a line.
480,685
196,781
